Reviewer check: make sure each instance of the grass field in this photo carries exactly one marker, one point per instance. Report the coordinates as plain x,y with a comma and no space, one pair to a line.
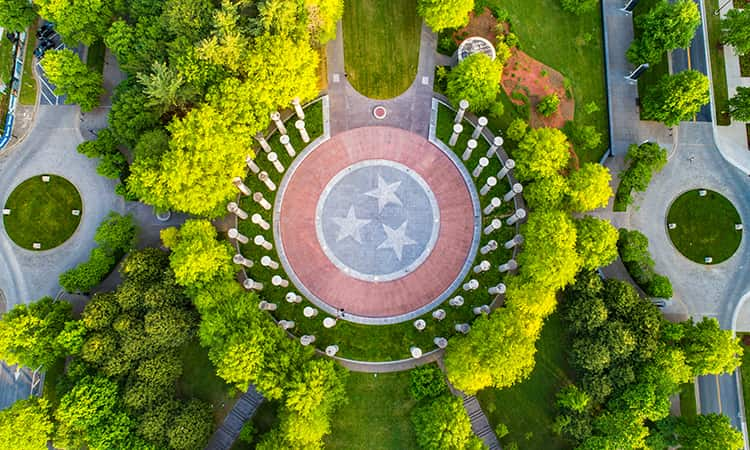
571,44
28,84
376,416
95,56
718,70
381,45
528,409
41,212
705,226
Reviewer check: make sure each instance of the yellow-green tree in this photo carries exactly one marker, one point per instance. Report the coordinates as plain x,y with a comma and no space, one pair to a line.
543,152
588,188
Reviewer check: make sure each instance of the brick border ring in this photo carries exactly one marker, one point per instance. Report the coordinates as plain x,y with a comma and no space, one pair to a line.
324,283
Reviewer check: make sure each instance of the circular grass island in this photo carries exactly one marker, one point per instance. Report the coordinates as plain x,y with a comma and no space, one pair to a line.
44,210
704,226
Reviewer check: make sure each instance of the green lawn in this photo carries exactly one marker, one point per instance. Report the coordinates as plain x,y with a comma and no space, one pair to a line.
571,44
705,226
528,409
718,70
381,45
95,56
28,84
6,60
357,341
376,416
41,212
688,406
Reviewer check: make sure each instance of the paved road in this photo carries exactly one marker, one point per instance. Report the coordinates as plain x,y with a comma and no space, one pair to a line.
719,394
694,58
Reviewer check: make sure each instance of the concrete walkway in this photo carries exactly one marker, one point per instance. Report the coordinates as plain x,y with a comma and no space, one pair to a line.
224,436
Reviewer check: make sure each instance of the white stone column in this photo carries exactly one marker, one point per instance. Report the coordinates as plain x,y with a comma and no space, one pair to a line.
494,204
438,314
420,324
471,285
266,261
463,105
520,214
483,162
252,285
416,352
306,339
263,176
233,208
510,265
260,241
278,281
481,123
440,342
507,166
263,142
489,248
286,324
259,199
242,261
457,129
300,125
517,240
493,226
470,146
273,158
483,266
267,306
496,143
329,322
516,189
331,350
233,233
298,108
287,143
484,309
251,165
456,301
257,219
489,184
309,312
497,290
237,181
292,297
463,328
276,117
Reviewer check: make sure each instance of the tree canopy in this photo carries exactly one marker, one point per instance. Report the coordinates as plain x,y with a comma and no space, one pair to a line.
543,152
665,27
83,21
588,188
676,97
739,105
26,425
442,423
72,78
442,14
736,26
477,80
16,15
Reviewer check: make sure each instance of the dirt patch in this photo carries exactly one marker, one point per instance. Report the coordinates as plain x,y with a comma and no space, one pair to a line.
484,25
524,76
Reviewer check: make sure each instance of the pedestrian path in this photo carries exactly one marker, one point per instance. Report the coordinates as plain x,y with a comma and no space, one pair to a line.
480,425
224,437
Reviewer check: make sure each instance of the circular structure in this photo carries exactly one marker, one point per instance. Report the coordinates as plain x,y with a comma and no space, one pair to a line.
42,212
475,44
376,225
379,112
704,226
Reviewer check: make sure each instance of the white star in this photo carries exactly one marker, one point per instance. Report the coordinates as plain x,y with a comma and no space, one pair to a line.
385,193
349,226
396,239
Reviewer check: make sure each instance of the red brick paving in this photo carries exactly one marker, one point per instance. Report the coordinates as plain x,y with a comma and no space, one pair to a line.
359,297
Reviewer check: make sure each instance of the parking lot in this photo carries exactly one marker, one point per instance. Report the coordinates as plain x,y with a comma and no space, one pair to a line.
47,89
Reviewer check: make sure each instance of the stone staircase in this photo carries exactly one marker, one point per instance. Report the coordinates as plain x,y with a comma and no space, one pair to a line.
224,437
479,423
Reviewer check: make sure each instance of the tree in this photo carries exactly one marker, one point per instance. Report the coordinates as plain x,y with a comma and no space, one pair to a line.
16,15
579,7
736,28
77,20
550,241
169,326
475,79
548,105
156,422
129,118
676,97
517,129
543,152
665,27
588,188
739,105
574,399
709,432
71,76
442,424
26,424
322,16
116,235
427,381
189,19
28,333
583,137
709,349
191,427
87,275
442,14
197,258
163,86
546,193
596,242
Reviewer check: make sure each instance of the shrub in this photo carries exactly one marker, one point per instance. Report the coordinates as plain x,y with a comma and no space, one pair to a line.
512,40
427,382
548,105
517,129
116,235
583,137
446,45
87,275
645,160
633,248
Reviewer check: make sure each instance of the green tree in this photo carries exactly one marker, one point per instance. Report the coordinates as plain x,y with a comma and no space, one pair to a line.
16,15
156,422
72,78
129,118
189,19
442,14
427,381
596,242
543,152
169,326
116,234
191,427
550,241
588,188
83,21
28,333
736,28
517,129
163,86
442,424
322,16
709,349
197,258
26,424
676,97
583,137
145,267
151,146
574,399
665,27
579,7
548,105
708,432
87,275
475,79
739,105
545,194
